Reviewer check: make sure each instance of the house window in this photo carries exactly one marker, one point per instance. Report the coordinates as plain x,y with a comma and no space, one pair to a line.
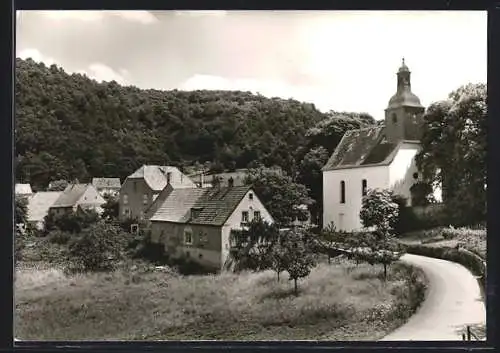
256,215
134,228
244,217
363,187
188,236
126,212
125,199
145,199
203,237
250,196
342,191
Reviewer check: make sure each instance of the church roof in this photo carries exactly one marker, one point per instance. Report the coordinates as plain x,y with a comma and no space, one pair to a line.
405,98
363,147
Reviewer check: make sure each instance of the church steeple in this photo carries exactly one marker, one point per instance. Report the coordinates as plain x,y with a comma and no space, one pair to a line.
404,111
404,82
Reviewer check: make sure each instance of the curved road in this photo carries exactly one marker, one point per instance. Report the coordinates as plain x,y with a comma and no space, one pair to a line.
453,300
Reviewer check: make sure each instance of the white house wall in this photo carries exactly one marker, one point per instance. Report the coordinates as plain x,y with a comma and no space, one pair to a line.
346,216
91,196
234,221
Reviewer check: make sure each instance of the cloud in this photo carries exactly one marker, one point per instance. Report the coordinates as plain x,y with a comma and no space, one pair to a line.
36,56
143,17
101,72
98,71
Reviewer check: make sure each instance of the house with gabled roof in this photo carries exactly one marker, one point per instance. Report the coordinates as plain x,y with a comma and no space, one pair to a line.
378,157
197,223
38,207
141,188
75,196
107,186
23,190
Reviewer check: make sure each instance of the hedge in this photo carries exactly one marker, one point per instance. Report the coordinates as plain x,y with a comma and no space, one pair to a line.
466,258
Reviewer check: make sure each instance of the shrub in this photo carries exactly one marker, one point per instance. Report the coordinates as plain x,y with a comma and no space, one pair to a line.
59,237
73,222
409,220
98,247
469,260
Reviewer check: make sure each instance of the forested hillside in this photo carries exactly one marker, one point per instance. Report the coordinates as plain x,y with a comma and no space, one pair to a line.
69,126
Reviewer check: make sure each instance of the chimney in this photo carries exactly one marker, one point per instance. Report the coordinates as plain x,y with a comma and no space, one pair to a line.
195,212
215,182
169,177
230,182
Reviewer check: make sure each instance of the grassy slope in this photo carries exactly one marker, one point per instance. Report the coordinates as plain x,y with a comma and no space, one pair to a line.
337,302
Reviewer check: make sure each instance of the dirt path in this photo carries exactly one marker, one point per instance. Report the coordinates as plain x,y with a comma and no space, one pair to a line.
453,301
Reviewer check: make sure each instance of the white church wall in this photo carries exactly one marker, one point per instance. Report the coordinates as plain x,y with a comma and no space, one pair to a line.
345,216
402,169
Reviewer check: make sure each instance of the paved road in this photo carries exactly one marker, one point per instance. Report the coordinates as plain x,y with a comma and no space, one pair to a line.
453,301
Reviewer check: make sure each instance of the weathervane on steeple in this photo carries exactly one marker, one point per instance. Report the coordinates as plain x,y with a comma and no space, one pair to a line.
403,60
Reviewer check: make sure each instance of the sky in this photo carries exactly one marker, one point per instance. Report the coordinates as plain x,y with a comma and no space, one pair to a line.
338,60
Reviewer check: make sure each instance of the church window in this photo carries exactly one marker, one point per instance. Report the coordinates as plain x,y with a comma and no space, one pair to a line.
415,175
394,118
342,191
364,186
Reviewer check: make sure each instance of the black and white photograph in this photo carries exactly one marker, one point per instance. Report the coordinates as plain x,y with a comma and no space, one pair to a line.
250,175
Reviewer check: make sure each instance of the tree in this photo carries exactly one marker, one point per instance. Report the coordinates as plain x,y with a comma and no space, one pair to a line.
254,245
279,194
454,151
380,210
311,176
71,222
58,185
278,259
21,210
298,258
98,247
111,208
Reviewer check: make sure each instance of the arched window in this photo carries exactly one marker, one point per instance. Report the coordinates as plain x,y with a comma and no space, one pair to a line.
364,186
394,118
342,191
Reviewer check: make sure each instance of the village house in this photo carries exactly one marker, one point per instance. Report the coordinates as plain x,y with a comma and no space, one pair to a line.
197,223
142,187
77,196
107,186
23,190
38,207
238,176
378,157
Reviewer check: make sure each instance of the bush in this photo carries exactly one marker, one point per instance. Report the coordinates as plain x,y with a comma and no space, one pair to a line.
98,247
73,222
469,260
409,221
59,237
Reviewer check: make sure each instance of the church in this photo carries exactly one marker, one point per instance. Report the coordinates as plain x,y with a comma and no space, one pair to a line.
378,157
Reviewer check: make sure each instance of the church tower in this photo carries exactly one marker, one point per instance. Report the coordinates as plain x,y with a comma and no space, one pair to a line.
403,116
